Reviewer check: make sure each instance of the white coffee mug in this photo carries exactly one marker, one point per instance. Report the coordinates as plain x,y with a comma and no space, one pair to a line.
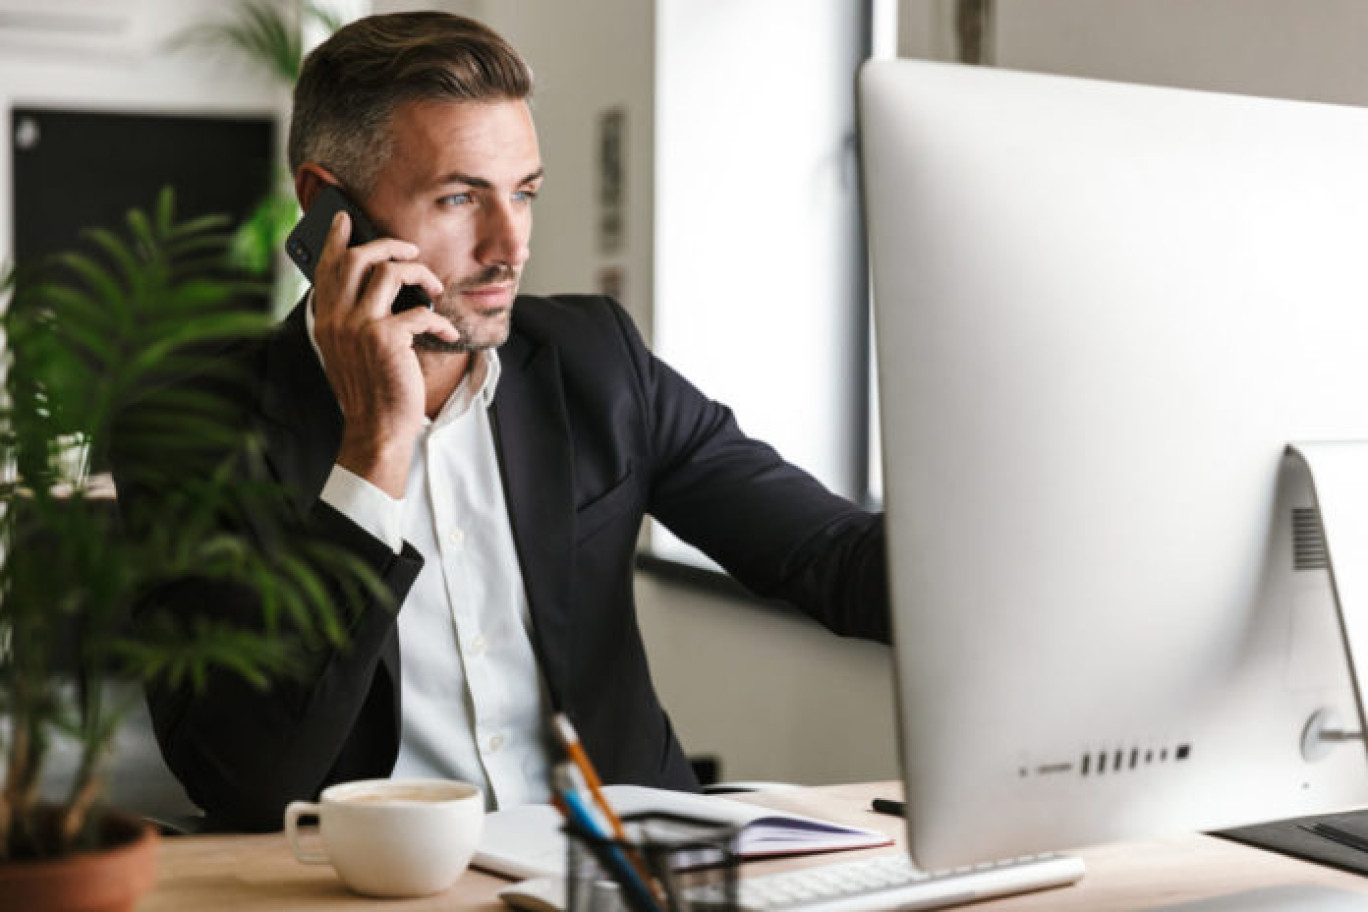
393,837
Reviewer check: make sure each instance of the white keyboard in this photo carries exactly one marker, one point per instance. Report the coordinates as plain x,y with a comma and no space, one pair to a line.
892,882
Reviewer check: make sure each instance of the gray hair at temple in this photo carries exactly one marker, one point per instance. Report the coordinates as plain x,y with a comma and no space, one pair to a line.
351,84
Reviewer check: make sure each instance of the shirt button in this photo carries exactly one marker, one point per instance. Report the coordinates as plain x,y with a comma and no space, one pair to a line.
457,537
478,645
495,742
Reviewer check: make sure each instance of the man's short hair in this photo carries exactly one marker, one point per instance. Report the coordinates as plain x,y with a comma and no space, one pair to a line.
351,84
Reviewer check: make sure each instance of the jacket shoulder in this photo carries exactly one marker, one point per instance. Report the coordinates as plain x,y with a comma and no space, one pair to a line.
589,332
558,319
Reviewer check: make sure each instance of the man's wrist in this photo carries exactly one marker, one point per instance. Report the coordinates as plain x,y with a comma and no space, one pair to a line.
367,505
383,464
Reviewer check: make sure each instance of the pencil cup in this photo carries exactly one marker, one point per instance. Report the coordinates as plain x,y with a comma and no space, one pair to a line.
667,863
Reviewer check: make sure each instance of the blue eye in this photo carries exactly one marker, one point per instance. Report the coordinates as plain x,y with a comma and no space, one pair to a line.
525,196
455,199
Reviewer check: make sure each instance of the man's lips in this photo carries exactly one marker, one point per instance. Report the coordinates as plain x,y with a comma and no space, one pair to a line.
490,295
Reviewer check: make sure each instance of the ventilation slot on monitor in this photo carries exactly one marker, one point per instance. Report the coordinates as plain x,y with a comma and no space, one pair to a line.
1124,760
1308,544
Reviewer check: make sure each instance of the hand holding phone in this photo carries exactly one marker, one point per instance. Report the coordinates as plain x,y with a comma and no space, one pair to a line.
305,243
367,350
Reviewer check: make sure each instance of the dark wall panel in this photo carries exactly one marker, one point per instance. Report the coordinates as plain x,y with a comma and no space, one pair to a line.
75,169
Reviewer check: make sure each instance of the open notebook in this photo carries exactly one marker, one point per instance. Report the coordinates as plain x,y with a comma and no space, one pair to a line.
527,841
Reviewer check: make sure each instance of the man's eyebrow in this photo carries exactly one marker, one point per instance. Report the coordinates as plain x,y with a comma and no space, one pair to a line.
480,183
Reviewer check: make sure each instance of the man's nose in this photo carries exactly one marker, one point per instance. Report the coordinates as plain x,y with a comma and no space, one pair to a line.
504,236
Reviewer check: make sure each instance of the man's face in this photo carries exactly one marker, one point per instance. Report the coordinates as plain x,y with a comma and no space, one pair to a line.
459,183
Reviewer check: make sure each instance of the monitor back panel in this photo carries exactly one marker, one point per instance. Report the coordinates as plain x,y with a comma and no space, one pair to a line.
1102,311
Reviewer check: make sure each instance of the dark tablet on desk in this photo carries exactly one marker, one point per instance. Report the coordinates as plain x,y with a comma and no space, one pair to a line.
1338,840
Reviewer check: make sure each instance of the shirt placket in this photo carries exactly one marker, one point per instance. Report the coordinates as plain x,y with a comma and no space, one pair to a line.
451,510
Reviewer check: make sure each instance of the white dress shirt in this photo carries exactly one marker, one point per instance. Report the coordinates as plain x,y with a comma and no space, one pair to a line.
473,701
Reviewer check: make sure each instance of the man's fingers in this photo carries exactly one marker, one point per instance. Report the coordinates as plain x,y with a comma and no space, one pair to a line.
364,256
330,272
421,320
382,286
343,272
339,232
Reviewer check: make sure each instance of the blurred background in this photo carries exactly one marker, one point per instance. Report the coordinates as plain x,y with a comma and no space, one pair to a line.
701,168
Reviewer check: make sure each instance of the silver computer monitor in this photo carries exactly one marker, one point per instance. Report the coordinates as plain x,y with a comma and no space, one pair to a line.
1102,311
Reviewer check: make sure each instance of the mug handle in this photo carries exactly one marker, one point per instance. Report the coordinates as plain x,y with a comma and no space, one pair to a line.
293,812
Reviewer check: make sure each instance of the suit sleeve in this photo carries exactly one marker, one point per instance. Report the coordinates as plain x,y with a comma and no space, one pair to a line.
242,753
771,525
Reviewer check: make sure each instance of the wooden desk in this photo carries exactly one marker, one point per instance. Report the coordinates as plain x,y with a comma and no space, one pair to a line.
201,873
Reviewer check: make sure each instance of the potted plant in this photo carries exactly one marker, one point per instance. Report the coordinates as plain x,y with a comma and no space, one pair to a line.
99,337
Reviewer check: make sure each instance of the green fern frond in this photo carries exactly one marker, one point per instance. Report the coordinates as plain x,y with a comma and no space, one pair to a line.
112,335
261,32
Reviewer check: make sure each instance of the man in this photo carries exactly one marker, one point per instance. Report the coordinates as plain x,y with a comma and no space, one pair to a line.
490,459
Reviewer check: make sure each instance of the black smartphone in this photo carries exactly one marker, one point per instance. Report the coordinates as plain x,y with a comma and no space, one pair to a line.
305,242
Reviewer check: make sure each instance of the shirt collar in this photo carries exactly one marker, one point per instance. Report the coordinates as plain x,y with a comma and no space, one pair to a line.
479,383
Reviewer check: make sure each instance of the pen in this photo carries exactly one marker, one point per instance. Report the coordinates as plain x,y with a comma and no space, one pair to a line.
890,807
571,802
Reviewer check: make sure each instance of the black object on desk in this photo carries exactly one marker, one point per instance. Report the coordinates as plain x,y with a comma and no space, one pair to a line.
890,807
1338,840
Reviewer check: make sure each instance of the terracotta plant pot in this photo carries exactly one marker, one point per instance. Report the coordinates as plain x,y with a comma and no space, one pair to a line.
110,879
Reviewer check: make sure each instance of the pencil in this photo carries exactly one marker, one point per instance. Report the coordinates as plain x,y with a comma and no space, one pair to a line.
611,857
569,739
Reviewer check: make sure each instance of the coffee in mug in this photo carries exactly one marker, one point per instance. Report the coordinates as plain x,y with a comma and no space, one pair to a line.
393,837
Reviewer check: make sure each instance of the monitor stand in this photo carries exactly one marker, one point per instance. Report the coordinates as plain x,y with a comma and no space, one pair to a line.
1338,472
1338,475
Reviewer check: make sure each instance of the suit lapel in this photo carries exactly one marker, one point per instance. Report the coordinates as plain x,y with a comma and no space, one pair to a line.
531,432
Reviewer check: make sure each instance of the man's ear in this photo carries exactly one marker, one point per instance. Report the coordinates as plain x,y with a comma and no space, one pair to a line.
309,180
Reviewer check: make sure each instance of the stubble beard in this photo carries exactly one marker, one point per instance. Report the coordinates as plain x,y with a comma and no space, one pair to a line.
479,330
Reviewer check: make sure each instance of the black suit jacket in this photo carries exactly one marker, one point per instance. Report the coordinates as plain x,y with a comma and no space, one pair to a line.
592,432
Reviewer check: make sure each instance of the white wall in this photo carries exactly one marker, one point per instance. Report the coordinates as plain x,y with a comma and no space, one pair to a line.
757,221
776,697
1311,49
1315,50
758,283
757,217
134,73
